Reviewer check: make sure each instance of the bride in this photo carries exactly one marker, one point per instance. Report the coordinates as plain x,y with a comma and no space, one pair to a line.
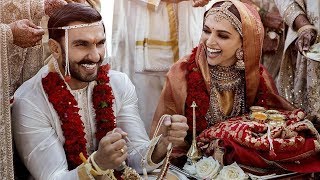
224,77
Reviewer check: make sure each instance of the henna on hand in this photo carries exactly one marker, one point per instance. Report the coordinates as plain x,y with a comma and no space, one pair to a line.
306,39
25,33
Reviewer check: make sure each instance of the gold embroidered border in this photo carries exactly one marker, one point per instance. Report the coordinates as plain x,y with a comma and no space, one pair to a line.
173,26
291,13
6,156
155,42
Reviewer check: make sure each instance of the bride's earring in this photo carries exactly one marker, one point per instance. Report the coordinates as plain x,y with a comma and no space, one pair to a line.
240,63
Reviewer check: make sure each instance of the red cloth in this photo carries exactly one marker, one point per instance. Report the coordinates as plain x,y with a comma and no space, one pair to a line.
295,143
253,158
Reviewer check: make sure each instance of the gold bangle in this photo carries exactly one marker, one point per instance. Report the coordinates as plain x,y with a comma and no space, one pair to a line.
305,27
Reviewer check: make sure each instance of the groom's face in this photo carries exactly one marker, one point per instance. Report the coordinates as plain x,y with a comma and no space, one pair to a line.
86,50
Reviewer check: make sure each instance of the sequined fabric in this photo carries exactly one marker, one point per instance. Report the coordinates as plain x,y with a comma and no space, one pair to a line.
16,66
298,79
6,156
23,62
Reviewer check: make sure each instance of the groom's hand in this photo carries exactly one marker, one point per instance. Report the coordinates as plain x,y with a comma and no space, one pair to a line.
112,150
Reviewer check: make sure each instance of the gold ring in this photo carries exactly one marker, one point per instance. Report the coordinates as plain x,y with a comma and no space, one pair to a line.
122,151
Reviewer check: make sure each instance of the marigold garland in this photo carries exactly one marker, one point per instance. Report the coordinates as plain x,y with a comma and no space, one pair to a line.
67,109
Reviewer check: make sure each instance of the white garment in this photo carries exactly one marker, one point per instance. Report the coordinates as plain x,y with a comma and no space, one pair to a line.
147,38
39,137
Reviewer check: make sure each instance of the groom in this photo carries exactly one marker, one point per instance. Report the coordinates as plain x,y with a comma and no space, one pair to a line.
74,105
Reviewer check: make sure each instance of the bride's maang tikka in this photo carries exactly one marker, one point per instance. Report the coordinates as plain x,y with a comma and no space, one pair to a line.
223,12
67,74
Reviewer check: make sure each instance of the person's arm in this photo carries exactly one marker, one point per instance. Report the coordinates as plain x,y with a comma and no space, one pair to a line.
25,33
37,142
307,33
174,130
289,10
297,20
200,3
7,32
128,119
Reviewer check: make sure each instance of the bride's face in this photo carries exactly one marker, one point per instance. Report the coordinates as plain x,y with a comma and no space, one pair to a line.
221,40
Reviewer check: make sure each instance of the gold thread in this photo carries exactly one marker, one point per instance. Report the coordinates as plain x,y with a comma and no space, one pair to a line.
173,27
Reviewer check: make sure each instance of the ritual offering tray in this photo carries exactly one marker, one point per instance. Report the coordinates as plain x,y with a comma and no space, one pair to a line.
262,115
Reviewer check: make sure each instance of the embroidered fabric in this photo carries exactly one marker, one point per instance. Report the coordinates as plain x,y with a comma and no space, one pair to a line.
17,65
298,79
222,12
23,62
81,96
291,13
225,79
6,155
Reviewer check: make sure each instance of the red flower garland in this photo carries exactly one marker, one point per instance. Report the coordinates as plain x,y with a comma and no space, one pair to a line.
196,91
66,107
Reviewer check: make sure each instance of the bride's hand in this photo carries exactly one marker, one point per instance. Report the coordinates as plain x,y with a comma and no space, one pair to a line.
176,129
